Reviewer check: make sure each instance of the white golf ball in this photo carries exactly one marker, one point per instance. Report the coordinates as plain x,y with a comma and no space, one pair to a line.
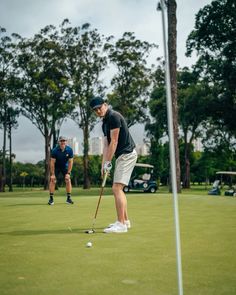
89,244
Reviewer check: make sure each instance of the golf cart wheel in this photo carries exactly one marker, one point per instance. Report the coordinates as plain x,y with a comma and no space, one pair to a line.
126,189
152,190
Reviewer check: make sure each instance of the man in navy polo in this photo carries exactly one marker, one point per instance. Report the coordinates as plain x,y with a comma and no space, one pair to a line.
61,162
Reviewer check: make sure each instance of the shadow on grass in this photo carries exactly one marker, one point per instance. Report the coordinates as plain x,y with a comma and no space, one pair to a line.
50,232
30,204
39,204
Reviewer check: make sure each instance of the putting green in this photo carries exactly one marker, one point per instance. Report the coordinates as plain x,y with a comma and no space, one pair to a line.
43,248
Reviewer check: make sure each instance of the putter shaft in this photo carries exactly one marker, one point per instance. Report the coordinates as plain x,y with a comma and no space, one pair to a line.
99,200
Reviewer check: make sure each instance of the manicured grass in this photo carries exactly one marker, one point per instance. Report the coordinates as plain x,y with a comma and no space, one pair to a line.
43,248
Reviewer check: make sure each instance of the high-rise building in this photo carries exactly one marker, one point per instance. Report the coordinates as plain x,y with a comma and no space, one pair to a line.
143,149
96,146
74,144
197,144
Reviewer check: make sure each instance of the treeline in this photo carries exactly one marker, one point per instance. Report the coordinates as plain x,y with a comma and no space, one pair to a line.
32,175
54,75
204,165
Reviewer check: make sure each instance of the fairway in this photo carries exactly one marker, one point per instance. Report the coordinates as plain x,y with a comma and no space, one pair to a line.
43,248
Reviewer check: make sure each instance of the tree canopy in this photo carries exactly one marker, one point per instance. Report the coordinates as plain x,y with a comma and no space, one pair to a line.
214,39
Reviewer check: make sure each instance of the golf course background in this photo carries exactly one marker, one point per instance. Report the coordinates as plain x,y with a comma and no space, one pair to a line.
43,248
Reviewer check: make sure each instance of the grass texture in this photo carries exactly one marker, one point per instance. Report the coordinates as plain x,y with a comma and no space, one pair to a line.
43,248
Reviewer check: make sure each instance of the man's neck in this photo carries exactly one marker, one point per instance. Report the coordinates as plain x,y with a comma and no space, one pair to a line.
62,149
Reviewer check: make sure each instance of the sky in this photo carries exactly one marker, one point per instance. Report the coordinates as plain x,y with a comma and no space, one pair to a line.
110,17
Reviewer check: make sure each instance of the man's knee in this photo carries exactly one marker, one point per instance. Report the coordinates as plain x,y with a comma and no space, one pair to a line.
53,180
117,187
67,180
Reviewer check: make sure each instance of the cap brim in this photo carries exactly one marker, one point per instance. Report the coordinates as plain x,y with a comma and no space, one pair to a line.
97,106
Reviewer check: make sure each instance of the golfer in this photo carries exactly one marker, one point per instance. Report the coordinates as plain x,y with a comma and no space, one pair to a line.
119,143
61,162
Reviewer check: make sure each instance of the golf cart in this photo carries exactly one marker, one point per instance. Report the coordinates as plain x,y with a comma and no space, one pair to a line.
215,191
142,179
231,191
225,176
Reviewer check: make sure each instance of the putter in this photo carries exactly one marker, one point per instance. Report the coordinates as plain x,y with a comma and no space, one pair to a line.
91,231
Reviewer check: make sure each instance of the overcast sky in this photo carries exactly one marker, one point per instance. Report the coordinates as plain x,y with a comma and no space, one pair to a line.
110,17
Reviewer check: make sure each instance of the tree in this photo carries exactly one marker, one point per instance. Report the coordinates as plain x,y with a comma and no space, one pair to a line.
156,124
132,81
220,142
85,61
34,173
7,53
172,40
214,39
194,96
194,100
11,122
42,85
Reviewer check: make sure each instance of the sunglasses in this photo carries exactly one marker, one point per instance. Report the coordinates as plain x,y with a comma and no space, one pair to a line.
97,109
63,140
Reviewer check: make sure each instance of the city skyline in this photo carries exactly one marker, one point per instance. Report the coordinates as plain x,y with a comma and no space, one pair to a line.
96,146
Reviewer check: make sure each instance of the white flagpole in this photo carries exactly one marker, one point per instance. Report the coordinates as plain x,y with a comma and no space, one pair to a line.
162,6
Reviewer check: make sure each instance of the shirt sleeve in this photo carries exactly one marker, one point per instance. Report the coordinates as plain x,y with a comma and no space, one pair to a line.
104,129
115,121
71,154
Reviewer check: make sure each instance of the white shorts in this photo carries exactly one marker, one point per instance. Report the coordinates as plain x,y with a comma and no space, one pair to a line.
124,166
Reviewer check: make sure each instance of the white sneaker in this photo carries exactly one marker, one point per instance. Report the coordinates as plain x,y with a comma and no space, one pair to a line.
127,223
117,227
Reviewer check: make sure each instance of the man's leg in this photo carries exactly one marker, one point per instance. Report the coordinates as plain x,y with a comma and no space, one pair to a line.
68,189
126,211
123,170
51,189
120,201
68,185
121,204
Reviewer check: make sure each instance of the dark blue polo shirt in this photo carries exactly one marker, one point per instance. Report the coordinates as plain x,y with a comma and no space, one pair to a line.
62,157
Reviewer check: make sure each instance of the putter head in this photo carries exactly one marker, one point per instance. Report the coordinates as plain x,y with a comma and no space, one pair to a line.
90,231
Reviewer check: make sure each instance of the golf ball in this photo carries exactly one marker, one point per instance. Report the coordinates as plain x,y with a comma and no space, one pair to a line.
89,244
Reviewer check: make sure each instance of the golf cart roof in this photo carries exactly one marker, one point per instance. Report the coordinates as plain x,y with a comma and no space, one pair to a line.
226,172
145,165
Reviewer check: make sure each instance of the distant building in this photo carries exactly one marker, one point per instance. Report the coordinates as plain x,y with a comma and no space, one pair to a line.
197,145
95,146
74,144
143,149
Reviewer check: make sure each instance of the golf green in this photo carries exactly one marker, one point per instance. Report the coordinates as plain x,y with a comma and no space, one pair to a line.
43,248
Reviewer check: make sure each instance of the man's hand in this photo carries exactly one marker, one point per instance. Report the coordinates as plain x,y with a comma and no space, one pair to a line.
107,166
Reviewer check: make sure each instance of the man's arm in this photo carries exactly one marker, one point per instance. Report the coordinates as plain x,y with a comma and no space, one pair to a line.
113,144
105,148
52,166
70,165
109,149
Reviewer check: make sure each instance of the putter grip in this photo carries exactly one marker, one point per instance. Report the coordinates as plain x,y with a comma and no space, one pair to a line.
104,179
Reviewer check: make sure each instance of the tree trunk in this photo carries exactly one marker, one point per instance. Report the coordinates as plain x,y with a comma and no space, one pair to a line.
47,161
10,160
3,176
172,35
186,180
55,136
0,177
85,157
